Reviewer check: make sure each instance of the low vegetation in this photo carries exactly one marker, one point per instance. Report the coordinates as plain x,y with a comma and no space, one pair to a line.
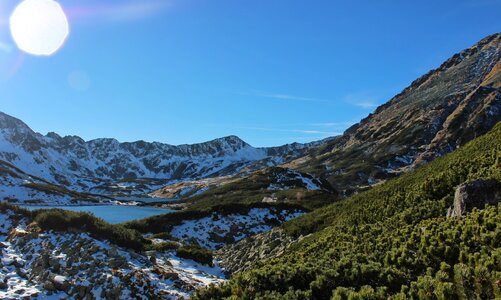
62,220
68,221
392,241
252,189
5,206
164,246
196,253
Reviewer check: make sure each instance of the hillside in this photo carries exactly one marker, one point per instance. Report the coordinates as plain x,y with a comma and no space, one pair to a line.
391,241
437,113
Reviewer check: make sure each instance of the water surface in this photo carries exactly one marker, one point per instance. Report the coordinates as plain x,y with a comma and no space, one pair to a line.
113,214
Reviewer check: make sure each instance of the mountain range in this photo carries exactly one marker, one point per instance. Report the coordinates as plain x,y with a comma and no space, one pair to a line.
106,166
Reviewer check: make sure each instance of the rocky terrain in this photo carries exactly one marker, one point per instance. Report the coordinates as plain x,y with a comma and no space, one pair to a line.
436,114
218,230
42,264
245,254
475,194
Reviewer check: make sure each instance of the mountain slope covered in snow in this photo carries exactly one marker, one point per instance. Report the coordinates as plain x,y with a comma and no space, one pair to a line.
106,166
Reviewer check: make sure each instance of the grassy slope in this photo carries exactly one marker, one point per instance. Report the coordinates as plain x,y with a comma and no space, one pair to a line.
392,241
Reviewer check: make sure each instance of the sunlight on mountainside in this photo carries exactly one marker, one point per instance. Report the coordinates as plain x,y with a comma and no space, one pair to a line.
253,150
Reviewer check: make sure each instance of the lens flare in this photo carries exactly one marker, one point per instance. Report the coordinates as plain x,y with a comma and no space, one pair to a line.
39,27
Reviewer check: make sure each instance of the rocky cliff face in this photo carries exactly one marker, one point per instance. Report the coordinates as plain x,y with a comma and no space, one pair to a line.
437,113
107,166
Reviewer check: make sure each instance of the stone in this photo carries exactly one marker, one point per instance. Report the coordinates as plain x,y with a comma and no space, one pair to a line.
475,194
117,262
54,264
18,263
48,285
21,273
82,291
113,252
61,283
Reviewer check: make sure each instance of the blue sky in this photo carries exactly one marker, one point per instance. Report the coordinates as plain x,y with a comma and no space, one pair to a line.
269,71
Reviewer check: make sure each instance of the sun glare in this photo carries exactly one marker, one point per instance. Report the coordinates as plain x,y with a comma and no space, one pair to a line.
39,27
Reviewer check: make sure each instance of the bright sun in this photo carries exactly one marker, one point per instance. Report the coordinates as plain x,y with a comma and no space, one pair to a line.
39,27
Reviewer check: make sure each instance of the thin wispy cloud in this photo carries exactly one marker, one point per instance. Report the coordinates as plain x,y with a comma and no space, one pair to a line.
285,97
362,100
333,124
125,11
303,131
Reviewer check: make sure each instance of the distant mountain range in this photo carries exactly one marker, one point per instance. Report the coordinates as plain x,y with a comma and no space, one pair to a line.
107,166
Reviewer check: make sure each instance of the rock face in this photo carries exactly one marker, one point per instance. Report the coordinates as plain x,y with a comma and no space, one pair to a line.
438,112
243,255
475,194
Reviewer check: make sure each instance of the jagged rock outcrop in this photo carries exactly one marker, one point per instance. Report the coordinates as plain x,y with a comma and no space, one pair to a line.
475,194
243,255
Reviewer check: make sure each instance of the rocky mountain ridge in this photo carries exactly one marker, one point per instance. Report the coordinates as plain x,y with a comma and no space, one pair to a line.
436,114
107,166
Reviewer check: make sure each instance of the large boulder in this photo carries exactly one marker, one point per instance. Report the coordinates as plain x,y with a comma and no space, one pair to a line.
473,194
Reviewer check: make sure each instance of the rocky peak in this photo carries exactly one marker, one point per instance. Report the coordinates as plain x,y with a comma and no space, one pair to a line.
9,122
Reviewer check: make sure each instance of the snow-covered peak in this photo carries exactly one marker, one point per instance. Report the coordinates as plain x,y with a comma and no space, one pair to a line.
97,164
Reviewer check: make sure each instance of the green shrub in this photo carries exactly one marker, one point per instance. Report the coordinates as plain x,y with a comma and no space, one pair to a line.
392,241
196,253
164,246
62,220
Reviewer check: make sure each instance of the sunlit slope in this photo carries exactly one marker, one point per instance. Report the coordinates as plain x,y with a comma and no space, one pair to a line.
391,241
437,113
